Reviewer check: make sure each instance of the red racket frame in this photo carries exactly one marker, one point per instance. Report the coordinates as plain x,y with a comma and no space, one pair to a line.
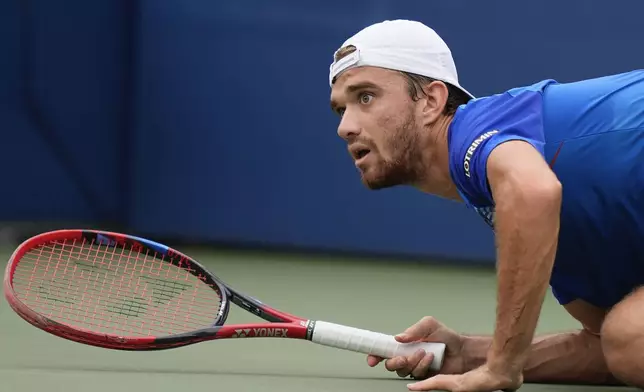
279,324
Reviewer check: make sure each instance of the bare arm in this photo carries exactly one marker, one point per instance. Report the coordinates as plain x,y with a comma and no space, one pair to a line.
571,357
528,197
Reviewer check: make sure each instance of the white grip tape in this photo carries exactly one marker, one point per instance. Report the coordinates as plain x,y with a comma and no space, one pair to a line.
374,343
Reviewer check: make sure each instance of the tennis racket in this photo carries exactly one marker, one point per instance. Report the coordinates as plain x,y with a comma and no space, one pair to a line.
127,293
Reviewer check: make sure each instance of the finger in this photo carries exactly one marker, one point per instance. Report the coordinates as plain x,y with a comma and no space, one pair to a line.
420,330
395,363
372,360
441,382
410,363
421,370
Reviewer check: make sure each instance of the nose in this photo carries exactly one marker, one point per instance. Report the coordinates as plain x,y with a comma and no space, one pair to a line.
348,127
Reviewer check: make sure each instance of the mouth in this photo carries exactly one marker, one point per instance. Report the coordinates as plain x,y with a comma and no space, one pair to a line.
359,152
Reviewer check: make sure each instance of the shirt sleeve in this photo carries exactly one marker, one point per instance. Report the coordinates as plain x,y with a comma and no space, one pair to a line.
480,127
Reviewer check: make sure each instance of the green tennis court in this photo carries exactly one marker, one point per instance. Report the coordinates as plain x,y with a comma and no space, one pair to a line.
383,296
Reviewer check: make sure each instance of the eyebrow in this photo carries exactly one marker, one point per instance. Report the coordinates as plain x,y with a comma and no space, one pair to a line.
353,88
361,86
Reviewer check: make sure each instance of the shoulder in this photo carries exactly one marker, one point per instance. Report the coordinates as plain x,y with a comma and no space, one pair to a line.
482,125
503,109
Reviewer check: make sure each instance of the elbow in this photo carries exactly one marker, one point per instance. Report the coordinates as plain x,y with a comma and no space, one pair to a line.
548,193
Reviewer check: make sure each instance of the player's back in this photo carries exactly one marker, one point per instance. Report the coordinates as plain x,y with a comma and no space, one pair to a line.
594,140
588,107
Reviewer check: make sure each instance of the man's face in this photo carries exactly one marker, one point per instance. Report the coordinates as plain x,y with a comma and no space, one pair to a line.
379,124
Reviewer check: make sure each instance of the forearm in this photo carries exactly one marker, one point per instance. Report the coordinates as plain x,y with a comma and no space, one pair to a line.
527,231
571,357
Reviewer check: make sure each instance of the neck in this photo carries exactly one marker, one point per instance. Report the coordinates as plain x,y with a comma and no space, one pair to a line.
436,179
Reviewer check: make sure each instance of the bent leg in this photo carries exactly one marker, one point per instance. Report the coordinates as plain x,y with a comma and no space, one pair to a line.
622,337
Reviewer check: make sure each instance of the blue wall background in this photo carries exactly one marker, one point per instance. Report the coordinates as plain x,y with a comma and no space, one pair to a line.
209,120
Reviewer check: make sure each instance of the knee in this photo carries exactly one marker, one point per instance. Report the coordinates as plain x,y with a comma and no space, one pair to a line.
622,338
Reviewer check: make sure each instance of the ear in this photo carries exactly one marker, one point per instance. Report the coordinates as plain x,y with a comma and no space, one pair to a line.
433,102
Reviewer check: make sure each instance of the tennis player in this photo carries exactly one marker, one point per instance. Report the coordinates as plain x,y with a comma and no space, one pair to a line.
556,169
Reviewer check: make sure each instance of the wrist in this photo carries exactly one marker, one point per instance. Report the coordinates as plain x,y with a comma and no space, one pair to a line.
504,364
475,351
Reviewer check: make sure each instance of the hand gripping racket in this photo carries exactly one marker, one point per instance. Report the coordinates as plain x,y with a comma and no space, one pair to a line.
127,293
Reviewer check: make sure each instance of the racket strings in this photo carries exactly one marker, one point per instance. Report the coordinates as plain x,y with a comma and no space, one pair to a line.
114,289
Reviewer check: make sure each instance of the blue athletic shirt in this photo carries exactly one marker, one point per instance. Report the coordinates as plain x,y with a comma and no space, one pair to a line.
592,134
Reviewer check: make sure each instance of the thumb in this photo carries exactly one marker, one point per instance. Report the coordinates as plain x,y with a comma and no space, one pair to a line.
437,383
422,329
405,338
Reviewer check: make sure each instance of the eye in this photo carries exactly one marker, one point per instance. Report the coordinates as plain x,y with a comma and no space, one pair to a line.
365,98
340,112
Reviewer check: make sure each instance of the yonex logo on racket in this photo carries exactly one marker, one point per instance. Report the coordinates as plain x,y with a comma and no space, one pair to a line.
261,332
241,333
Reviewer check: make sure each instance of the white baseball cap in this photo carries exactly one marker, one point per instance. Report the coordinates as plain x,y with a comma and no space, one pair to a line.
401,45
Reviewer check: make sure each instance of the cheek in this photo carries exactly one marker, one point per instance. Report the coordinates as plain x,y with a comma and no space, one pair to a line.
387,122
389,137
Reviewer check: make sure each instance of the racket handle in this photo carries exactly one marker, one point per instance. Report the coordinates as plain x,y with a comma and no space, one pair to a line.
374,343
